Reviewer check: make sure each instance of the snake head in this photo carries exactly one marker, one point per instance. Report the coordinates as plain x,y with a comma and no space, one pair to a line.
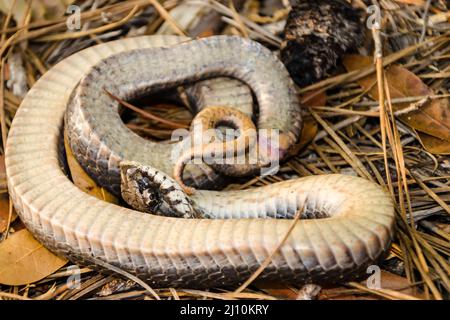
149,190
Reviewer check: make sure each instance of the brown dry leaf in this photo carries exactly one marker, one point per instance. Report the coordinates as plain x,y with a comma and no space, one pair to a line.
277,290
395,282
314,99
310,127
4,212
309,131
82,180
431,118
389,281
24,260
433,144
343,293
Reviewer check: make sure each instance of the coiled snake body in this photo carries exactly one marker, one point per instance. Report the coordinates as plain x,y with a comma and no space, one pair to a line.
356,225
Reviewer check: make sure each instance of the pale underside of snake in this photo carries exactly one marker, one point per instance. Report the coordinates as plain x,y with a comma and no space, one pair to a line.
354,218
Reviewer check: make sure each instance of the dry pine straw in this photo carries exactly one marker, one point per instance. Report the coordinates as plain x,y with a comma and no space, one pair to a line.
355,135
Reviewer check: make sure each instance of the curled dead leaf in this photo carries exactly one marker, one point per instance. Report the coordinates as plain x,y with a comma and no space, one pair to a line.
433,144
310,127
314,99
431,117
309,131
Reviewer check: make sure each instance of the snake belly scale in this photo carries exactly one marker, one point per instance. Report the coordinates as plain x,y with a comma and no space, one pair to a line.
355,229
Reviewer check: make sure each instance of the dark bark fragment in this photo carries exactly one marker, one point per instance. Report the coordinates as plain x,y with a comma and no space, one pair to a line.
316,35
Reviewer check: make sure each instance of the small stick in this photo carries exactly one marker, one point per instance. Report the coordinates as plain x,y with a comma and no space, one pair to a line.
146,114
269,258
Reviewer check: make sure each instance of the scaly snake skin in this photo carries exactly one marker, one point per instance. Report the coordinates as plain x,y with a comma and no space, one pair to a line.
99,138
355,230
